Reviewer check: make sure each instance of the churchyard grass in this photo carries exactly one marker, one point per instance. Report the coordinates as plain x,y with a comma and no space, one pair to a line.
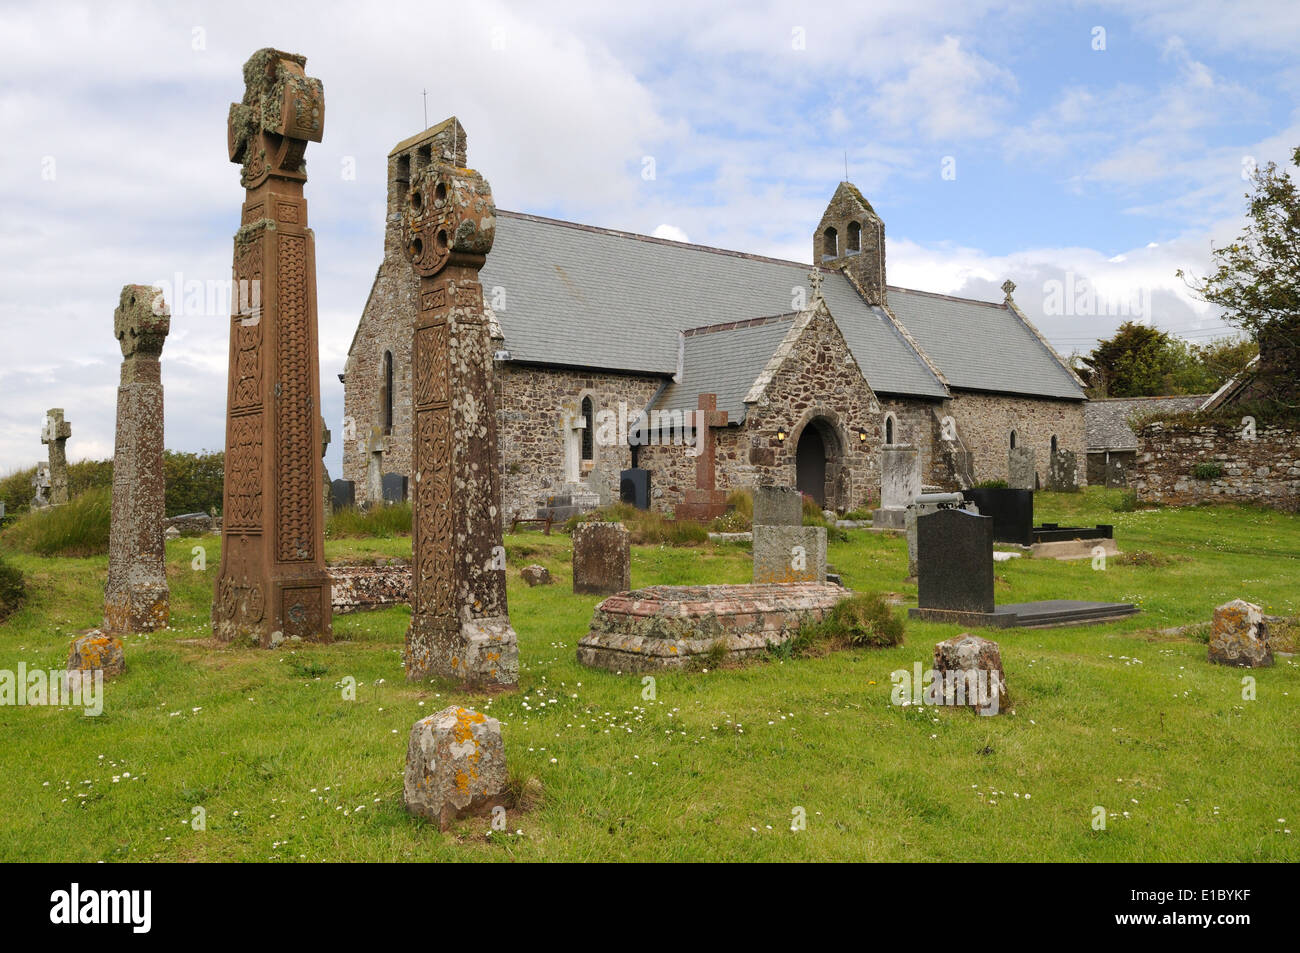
716,765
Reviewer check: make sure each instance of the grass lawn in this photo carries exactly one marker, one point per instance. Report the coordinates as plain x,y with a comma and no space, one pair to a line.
1118,716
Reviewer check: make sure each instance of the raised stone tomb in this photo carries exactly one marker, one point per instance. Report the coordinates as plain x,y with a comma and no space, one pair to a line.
667,626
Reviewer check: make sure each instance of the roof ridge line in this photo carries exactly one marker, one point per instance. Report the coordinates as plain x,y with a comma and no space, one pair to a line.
737,325
946,297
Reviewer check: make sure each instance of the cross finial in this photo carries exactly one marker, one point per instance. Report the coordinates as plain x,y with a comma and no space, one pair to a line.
1008,286
815,278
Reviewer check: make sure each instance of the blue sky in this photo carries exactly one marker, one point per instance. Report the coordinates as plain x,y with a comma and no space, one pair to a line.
1113,166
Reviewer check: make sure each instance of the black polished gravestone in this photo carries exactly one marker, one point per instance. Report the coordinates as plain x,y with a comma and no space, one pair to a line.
634,487
1012,512
954,561
343,493
395,488
955,580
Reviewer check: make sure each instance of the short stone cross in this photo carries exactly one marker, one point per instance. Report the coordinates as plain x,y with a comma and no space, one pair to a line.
55,435
705,502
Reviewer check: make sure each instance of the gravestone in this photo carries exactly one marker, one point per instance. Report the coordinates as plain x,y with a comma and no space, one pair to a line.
705,502
536,575
777,506
1116,472
272,584
460,623
375,448
929,503
1240,636
136,597
97,652
602,558
1063,472
900,484
327,497
972,675
634,487
954,561
343,493
1022,473
1012,512
41,481
455,766
395,488
55,434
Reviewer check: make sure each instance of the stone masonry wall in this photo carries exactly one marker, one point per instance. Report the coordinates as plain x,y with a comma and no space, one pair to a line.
1265,470
985,422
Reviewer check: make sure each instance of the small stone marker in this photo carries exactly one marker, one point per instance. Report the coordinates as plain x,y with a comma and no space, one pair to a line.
784,554
602,558
395,488
778,506
96,651
455,766
55,435
1022,472
136,597
972,673
1240,636
536,575
41,481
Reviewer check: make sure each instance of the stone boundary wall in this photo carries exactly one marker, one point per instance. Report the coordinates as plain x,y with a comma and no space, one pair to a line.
1265,470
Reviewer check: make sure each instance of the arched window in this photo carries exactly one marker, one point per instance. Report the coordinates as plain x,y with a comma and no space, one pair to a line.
589,431
386,394
1013,440
830,244
889,429
854,239
1053,443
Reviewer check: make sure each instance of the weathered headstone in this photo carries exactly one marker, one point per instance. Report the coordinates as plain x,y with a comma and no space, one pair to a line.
786,554
136,597
1116,472
777,506
455,766
536,575
705,502
55,434
344,493
954,561
900,484
272,584
1063,472
395,487
41,482
460,623
972,675
1240,636
376,446
602,558
1022,472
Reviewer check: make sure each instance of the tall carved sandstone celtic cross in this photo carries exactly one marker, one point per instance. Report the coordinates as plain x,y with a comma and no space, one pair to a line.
272,584
460,625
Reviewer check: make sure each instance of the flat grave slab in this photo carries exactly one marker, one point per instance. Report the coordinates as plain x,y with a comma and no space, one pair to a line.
665,626
1048,613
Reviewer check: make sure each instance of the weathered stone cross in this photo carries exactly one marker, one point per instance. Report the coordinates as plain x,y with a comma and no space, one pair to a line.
815,278
705,502
272,585
55,435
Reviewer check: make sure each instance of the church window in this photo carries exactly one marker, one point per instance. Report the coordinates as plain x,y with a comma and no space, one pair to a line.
386,396
1053,443
853,241
1013,440
589,431
889,429
830,244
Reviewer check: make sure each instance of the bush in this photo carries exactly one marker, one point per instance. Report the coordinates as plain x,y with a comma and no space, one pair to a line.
1207,471
862,514
382,522
991,485
861,621
78,528
195,481
646,527
13,591
1127,502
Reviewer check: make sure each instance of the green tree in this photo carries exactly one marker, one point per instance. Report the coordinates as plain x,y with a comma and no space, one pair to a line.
1137,361
1257,283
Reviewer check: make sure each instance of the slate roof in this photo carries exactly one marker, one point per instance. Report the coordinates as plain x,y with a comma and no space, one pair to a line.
590,297
1107,424
982,346
725,360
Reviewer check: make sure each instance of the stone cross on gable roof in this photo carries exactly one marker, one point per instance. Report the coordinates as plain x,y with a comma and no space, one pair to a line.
815,279
1008,286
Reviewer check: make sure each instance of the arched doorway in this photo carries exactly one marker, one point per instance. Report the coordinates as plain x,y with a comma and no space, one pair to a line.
810,464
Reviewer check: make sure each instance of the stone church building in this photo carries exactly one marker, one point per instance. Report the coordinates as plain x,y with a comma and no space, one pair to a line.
608,338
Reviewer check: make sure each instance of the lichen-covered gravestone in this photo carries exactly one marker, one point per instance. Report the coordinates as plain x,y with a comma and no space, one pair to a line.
1063,471
900,484
97,652
41,483
1240,636
970,668
602,558
272,584
785,550
55,435
136,597
455,766
1022,473
460,622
